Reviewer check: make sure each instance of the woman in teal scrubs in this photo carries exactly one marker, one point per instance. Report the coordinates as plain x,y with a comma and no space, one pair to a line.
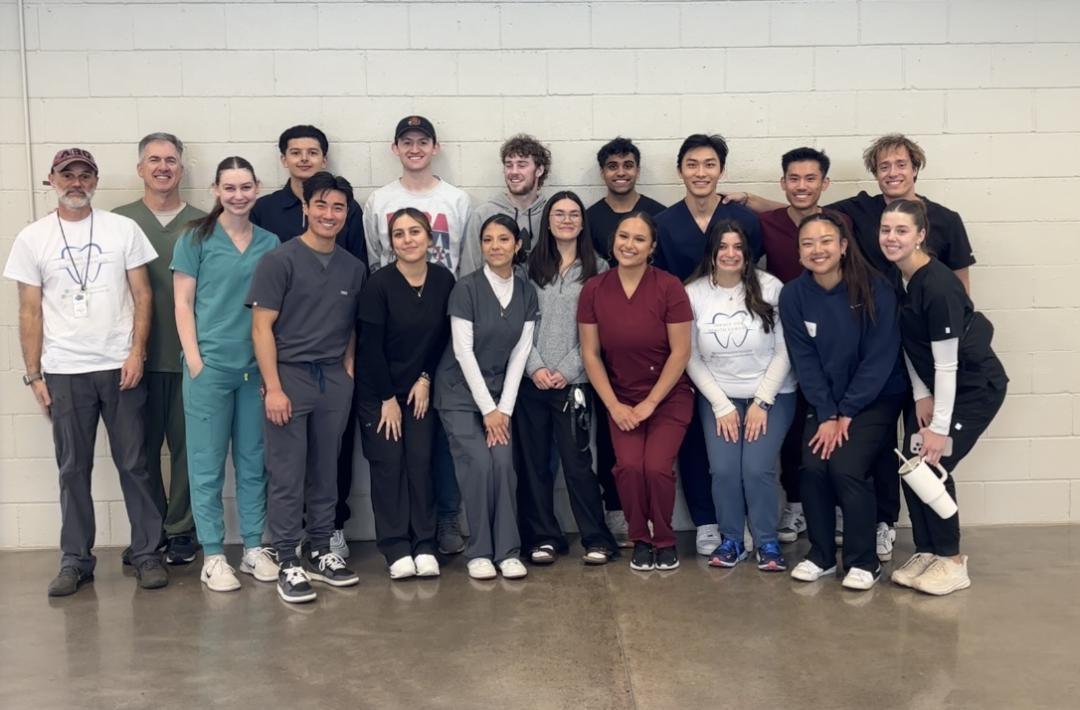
212,267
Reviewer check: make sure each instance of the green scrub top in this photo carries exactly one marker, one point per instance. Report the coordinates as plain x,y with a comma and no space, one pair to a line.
222,276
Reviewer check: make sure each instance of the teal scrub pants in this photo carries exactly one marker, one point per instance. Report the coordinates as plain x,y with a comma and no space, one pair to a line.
221,408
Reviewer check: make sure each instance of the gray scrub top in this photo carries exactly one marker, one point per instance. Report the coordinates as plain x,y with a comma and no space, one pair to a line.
316,304
496,330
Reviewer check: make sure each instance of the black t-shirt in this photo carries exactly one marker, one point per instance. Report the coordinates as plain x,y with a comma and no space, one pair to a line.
603,220
403,330
936,307
316,304
947,238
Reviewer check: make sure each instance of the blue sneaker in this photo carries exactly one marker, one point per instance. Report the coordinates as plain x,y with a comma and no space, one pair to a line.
728,553
770,559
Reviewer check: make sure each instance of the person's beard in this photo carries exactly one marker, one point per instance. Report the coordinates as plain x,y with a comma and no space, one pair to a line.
75,202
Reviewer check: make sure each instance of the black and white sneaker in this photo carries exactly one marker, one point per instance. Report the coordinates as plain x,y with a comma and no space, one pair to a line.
328,567
642,560
667,558
293,584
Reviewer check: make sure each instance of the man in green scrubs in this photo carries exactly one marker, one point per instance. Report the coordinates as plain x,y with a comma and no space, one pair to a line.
163,216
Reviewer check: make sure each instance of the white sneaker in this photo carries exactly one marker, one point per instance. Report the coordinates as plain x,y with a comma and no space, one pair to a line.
481,568
838,536
860,579
708,539
512,568
338,545
886,536
792,523
906,573
402,568
260,563
943,576
807,571
616,522
217,575
426,566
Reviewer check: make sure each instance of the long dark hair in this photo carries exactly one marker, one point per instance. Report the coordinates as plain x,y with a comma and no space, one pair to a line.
544,260
505,220
755,302
917,211
203,228
855,271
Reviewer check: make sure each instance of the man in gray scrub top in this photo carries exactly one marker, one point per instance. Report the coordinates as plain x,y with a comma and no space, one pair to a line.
304,296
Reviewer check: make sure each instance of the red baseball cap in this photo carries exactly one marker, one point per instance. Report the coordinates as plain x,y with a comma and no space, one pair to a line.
67,156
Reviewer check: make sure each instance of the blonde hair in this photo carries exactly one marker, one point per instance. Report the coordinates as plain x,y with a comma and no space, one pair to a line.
893,141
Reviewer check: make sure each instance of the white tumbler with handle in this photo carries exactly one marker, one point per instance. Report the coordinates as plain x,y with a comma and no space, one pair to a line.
930,488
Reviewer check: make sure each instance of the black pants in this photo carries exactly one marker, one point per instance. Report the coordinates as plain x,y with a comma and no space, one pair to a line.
972,413
846,479
402,495
539,415
791,451
694,472
886,469
342,513
78,401
605,457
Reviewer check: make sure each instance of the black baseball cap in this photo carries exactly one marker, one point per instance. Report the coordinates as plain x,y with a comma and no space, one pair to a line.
415,123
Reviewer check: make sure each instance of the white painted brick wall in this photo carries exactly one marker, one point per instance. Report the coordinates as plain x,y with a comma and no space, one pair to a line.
991,89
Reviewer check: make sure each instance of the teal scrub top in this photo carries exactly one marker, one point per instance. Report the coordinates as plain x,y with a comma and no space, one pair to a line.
222,276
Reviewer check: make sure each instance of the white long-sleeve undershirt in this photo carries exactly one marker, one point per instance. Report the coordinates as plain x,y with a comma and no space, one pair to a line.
946,362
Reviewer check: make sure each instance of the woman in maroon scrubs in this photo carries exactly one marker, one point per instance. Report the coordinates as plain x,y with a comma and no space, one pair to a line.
639,318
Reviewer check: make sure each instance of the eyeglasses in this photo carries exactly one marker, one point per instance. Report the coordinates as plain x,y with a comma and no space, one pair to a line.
560,216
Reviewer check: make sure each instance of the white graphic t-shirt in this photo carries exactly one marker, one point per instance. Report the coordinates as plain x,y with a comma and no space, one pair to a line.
445,206
85,329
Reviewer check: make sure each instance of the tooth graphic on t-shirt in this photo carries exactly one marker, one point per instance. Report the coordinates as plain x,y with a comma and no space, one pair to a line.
78,256
730,329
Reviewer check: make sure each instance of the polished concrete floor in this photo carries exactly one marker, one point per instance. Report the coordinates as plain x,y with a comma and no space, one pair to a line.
566,637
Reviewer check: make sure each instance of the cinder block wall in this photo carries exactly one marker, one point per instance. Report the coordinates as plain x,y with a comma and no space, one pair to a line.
991,90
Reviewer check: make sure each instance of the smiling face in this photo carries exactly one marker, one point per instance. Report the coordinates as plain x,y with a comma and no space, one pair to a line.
326,213
415,150
899,236
896,173
410,240
498,246
160,167
803,184
729,256
620,173
634,243
565,220
74,185
700,170
303,158
237,189
521,173
821,247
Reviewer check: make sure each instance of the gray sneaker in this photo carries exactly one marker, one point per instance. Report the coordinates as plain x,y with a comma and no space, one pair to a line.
448,536
68,582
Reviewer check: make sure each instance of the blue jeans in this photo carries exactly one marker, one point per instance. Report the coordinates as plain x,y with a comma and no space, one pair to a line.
744,474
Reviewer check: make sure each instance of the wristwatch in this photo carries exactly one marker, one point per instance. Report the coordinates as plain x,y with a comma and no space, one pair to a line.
765,406
31,378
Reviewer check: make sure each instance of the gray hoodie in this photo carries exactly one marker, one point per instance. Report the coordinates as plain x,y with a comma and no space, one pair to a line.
528,222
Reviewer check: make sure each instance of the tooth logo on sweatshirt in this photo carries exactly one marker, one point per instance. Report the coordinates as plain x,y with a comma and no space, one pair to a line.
729,329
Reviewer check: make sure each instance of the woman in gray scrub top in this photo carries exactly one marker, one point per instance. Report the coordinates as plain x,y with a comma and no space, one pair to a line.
492,315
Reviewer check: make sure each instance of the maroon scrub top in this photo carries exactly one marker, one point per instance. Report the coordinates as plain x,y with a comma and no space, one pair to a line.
633,331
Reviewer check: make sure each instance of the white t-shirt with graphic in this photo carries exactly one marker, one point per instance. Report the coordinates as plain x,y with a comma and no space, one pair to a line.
446,207
732,355
84,330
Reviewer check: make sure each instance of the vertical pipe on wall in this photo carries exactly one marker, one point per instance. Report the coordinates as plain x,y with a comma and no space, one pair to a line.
26,113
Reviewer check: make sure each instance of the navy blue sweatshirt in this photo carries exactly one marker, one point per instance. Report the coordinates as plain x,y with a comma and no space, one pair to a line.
843,362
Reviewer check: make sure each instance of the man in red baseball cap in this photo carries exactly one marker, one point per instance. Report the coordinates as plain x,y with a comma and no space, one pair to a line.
84,317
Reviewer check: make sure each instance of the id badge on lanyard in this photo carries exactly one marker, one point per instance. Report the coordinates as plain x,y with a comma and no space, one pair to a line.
79,304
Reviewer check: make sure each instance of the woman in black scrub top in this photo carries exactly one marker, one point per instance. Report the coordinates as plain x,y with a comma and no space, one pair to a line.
958,383
403,333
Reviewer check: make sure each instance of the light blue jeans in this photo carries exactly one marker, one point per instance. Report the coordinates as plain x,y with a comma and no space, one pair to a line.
744,474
